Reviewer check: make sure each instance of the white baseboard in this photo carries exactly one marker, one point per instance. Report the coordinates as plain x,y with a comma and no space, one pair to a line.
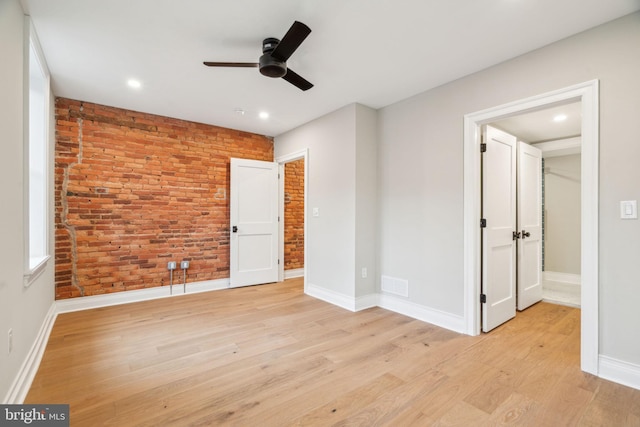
367,301
22,381
618,371
332,297
105,300
392,303
420,312
553,276
292,274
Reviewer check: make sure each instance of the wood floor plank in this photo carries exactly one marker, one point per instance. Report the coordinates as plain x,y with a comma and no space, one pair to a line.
345,405
272,356
462,414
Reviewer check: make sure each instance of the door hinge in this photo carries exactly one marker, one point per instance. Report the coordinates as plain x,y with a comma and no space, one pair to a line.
483,298
516,235
483,147
278,262
483,223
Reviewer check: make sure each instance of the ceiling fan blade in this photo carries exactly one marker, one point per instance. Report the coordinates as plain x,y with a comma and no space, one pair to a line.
296,80
290,42
231,64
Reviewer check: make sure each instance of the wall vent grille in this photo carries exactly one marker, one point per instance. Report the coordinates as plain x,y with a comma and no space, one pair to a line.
392,285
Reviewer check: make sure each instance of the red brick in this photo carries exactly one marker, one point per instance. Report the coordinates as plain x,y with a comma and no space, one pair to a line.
294,215
146,191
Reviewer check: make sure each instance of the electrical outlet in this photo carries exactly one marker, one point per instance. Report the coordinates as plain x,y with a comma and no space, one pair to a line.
171,265
10,343
184,265
364,272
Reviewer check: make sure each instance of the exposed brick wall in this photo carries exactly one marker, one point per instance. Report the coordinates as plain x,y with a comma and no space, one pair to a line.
134,191
294,215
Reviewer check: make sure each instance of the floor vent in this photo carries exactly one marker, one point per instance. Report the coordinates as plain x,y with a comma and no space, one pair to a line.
392,285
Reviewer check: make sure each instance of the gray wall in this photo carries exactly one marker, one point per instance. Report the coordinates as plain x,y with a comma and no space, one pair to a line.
342,185
21,309
366,200
420,177
562,214
421,160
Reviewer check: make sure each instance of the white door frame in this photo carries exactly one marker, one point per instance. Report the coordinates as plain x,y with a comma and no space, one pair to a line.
281,160
587,94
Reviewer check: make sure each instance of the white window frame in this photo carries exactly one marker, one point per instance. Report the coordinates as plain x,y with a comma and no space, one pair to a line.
36,255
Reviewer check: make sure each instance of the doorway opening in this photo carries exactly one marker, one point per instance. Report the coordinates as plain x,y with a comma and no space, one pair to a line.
294,219
511,225
556,131
292,206
587,94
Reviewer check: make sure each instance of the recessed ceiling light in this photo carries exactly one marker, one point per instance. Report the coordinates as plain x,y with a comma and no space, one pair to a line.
134,83
264,115
560,118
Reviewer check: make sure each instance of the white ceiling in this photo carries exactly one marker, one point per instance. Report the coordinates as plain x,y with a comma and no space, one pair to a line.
374,52
540,126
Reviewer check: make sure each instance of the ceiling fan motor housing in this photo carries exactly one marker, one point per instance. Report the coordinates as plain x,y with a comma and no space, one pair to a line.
275,52
270,66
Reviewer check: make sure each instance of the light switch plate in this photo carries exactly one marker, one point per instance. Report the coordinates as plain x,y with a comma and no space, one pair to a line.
316,212
629,209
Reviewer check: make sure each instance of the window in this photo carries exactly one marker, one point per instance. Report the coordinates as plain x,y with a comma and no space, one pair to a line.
36,158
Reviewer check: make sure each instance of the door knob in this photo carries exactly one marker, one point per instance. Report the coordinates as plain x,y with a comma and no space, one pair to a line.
525,234
234,229
516,235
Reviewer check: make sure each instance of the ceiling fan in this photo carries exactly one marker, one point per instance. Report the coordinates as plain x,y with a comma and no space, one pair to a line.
273,62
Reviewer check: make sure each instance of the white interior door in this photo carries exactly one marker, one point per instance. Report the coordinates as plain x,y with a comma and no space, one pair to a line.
529,225
499,211
254,222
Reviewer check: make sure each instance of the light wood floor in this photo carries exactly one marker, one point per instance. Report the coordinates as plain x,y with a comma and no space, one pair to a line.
271,356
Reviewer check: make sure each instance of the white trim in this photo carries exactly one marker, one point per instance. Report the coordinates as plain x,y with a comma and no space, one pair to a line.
332,297
420,312
22,381
296,155
389,302
560,147
105,300
31,275
31,41
587,93
281,225
618,371
553,276
281,160
292,274
367,301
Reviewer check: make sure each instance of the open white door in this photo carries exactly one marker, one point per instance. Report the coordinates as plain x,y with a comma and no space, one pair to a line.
529,225
499,212
254,222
